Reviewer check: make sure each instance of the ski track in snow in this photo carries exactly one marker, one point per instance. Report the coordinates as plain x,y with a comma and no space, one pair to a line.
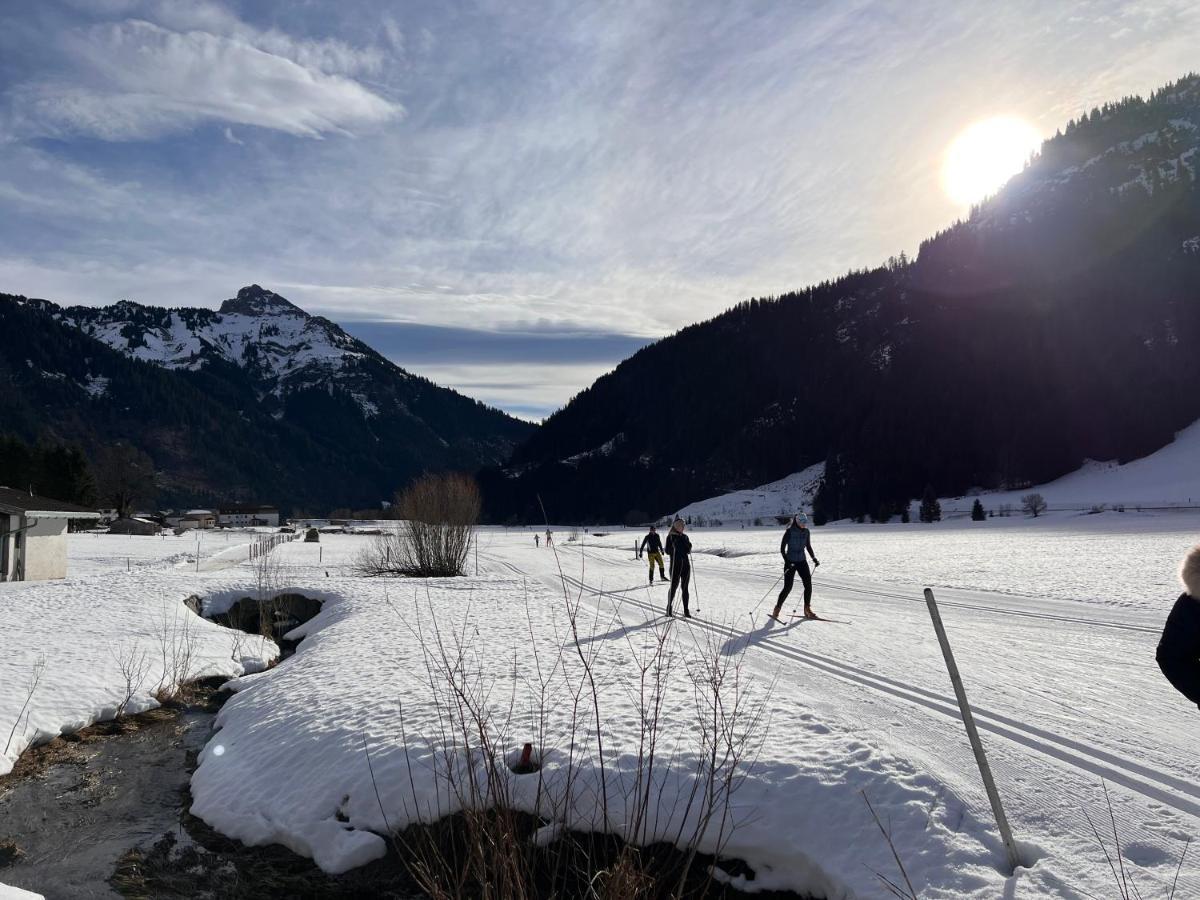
1105,713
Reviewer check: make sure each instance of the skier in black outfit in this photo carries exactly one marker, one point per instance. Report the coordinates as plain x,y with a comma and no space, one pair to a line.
1179,648
652,548
796,541
679,548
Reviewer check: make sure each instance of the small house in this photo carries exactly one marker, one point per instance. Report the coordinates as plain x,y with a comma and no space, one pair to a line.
33,535
197,518
134,525
243,516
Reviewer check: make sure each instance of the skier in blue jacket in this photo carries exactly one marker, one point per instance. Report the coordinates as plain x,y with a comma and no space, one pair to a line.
797,540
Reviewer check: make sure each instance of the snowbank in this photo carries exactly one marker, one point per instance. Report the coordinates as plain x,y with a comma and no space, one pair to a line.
302,748
82,650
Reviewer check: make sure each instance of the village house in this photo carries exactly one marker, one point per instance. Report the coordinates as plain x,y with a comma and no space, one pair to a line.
197,518
33,535
240,516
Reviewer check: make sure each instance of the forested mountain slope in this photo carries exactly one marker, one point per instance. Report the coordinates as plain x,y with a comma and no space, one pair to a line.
1060,321
257,401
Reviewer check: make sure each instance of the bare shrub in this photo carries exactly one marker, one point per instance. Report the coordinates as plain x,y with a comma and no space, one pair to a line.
439,514
1123,877
176,647
586,825
134,664
268,579
35,678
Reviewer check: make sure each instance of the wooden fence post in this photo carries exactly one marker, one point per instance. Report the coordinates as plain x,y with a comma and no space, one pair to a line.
985,770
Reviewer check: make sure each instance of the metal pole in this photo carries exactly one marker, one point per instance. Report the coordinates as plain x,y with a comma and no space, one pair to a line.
985,770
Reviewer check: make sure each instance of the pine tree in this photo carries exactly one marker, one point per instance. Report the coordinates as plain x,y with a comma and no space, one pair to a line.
977,513
931,510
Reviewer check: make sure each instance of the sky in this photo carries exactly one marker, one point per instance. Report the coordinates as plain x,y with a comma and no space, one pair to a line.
510,197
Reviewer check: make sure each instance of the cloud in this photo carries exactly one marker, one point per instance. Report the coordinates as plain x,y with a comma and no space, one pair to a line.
137,80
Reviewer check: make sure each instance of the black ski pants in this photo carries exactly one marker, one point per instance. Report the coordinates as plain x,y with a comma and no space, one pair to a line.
681,574
789,577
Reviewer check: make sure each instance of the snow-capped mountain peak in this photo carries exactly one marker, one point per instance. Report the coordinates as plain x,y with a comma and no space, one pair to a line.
278,344
258,301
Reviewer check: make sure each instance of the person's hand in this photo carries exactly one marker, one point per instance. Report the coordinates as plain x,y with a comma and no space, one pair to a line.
816,562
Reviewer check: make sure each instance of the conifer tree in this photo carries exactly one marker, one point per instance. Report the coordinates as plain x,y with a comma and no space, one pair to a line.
977,513
931,509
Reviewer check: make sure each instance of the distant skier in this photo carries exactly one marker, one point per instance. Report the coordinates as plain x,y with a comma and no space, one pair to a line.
1179,648
549,538
537,539
679,548
652,547
797,540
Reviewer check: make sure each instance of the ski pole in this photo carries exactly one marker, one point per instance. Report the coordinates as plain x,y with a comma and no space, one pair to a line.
696,585
766,595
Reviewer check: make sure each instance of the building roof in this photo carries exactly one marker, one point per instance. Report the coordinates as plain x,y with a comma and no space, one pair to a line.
23,502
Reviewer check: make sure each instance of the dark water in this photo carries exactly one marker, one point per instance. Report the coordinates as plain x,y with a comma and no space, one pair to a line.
97,798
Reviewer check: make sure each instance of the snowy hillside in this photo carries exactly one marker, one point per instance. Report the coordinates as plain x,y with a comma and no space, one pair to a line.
1167,477
778,498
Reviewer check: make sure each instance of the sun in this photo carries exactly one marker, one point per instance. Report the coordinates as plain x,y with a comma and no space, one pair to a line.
985,155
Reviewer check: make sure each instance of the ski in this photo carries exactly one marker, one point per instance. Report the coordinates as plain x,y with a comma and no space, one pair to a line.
818,619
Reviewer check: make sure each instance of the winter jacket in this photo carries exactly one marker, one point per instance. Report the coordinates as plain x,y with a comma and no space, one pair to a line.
652,542
1179,648
678,544
795,541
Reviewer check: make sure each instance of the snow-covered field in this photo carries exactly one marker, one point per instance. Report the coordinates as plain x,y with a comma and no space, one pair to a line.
1054,627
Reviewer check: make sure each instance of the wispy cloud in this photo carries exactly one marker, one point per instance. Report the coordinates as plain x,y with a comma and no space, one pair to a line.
134,80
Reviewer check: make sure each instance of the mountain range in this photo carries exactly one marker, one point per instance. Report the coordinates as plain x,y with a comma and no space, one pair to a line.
1060,321
257,401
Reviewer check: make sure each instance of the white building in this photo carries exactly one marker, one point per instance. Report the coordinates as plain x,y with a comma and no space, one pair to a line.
33,535
243,516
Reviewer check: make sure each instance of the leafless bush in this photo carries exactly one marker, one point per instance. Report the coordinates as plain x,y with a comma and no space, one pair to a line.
1123,878
439,514
905,891
268,579
134,665
590,825
35,678
176,646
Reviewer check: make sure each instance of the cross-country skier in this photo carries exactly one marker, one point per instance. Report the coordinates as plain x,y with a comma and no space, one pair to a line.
679,548
652,547
797,540
1179,648
549,538
537,540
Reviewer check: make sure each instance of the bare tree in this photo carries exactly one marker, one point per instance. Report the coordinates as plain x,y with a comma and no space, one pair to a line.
1033,504
439,514
126,477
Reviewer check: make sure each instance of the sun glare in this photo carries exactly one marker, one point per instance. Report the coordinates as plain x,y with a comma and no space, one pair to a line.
985,155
